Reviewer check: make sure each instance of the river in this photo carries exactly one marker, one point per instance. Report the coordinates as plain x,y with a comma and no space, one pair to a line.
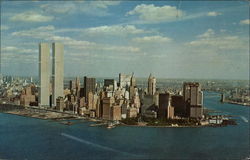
29,138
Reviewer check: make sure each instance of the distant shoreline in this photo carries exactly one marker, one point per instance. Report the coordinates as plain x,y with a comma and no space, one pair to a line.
237,103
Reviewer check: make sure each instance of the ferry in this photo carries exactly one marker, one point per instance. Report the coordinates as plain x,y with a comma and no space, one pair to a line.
111,125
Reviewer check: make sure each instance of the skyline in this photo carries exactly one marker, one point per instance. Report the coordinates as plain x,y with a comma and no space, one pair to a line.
105,38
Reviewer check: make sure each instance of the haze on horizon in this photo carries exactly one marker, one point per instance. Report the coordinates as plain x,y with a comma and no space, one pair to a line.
178,39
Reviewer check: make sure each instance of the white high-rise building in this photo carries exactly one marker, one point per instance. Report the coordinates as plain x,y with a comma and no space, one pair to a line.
57,72
151,85
124,80
44,76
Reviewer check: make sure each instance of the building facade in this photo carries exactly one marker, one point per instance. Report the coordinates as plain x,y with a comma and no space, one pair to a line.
151,85
115,113
165,108
44,75
57,71
107,103
193,98
89,86
124,80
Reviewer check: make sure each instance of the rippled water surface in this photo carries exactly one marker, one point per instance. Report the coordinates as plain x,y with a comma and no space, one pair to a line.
28,138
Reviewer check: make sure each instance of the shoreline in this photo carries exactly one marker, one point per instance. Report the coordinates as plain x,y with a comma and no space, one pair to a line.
150,126
237,103
89,120
61,116
42,117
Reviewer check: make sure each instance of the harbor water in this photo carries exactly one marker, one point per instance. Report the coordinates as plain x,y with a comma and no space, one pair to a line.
29,138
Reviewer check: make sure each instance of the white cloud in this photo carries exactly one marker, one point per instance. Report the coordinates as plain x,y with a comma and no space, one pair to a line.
40,32
214,14
154,14
207,34
13,49
103,4
60,8
223,30
47,33
152,39
71,42
245,22
120,48
4,27
31,16
95,8
218,42
12,54
115,30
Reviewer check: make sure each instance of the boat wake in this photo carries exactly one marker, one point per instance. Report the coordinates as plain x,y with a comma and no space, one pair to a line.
244,119
96,145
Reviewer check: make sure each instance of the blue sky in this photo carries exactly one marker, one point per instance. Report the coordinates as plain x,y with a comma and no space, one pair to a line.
175,39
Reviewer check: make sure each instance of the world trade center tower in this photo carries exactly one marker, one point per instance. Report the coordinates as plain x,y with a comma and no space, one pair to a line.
44,72
57,72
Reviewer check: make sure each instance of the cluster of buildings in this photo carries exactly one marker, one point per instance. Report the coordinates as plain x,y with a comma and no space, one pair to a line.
116,100
186,103
18,91
113,99
236,96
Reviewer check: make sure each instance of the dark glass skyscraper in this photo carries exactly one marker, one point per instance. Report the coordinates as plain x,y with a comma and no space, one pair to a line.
89,86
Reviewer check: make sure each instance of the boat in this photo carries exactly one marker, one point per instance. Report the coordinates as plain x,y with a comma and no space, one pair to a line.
111,125
67,123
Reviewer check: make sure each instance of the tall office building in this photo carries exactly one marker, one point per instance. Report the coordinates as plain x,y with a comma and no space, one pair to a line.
193,98
110,84
133,81
107,103
165,108
132,87
89,86
44,57
57,72
124,80
115,114
151,85
78,83
72,85
178,103
78,86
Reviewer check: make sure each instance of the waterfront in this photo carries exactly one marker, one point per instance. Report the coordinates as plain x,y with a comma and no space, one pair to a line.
29,138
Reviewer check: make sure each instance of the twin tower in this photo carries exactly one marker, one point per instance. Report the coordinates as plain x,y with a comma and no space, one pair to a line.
45,70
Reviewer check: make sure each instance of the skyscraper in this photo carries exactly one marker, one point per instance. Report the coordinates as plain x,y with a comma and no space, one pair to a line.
107,103
77,86
151,85
193,98
44,77
165,108
89,86
132,87
72,85
124,80
57,72
133,81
